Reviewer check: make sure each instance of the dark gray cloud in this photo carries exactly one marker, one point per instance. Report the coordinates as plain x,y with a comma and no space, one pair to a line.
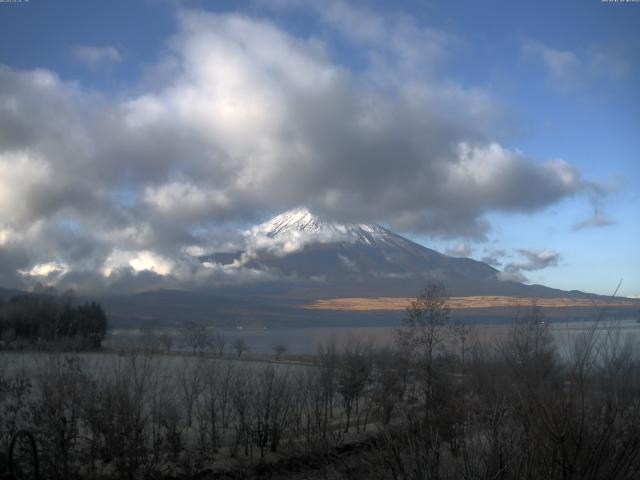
597,194
494,256
535,260
532,260
242,120
11,261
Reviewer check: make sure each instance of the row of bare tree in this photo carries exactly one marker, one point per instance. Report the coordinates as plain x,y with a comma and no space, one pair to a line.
196,338
140,415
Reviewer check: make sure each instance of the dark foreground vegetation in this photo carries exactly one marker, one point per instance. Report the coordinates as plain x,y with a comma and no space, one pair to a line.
45,320
438,406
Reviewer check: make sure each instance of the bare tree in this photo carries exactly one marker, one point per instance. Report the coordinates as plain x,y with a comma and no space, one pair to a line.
166,340
530,346
389,383
57,412
190,380
353,377
280,350
218,342
240,346
149,340
327,384
195,336
270,408
123,430
241,392
422,334
461,333
214,409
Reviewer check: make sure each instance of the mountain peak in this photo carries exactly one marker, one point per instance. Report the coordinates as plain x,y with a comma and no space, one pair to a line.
302,222
300,219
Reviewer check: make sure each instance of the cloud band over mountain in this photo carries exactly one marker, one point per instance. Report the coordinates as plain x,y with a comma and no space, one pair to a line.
243,118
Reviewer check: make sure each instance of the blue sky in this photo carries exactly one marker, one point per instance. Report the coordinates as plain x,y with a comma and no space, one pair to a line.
507,131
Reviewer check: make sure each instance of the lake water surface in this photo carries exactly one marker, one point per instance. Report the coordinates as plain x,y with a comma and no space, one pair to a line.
306,340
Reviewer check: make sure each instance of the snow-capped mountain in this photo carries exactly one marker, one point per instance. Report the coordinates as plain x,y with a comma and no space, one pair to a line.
339,259
301,222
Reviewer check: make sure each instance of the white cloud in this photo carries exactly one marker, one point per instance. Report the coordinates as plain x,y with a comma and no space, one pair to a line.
567,69
48,270
5,235
507,180
347,262
596,220
245,119
21,174
93,56
611,63
460,250
563,66
286,242
183,198
514,276
138,261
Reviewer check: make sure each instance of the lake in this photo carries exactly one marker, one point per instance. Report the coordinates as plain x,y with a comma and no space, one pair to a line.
305,340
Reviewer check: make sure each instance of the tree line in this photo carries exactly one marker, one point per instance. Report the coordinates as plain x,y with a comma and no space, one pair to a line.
45,320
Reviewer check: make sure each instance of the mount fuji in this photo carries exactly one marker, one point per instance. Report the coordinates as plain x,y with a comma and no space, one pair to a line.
320,259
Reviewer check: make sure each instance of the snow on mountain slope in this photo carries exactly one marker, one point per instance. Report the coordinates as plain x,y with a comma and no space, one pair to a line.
301,245
299,226
301,220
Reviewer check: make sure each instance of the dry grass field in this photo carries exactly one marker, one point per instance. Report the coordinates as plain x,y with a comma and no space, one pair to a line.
460,303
